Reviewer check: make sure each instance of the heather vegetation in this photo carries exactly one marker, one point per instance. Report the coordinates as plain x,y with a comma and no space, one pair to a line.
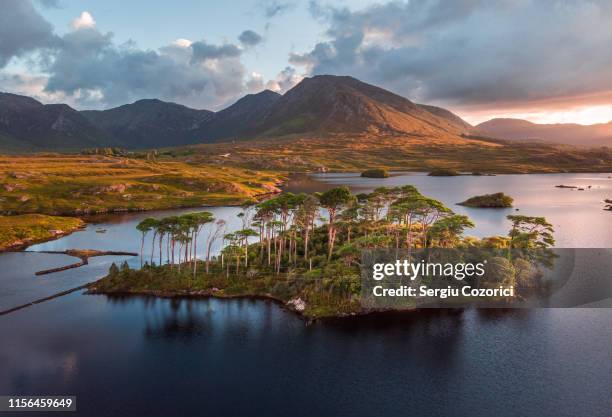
303,249
105,182
355,153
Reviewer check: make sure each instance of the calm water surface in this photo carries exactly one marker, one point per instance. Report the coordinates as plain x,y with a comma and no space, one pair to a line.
142,356
578,216
152,357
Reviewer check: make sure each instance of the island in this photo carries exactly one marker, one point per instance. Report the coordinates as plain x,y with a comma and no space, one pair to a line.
444,172
496,200
284,253
375,173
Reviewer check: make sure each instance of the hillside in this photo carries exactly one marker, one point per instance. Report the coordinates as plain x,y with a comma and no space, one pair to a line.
563,133
355,153
239,119
337,104
151,123
319,105
90,184
29,125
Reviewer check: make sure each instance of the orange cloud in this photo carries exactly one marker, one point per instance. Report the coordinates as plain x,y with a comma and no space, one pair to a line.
583,109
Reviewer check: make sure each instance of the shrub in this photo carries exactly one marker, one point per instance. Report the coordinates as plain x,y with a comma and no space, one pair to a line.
443,172
497,200
375,173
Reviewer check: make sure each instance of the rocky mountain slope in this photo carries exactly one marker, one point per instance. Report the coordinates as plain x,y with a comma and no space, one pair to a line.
338,104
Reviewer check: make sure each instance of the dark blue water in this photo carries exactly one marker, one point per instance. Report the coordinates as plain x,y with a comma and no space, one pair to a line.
153,357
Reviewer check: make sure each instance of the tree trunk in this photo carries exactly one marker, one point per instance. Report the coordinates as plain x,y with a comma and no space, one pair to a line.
153,246
161,240
142,250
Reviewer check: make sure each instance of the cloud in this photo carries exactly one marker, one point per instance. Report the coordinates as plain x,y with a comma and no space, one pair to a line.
284,81
87,68
255,83
85,20
22,30
469,52
273,8
250,38
182,43
203,51
94,71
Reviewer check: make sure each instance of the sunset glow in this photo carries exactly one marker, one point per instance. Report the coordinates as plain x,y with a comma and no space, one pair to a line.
585,115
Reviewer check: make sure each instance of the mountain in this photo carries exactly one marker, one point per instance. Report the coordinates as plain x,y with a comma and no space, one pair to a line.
319,105
240,118
151,123
564,133
448,115
28,124
341,104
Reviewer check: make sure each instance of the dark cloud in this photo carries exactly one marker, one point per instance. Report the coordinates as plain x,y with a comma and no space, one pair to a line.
87,68
22,30
250,38
90,67
203,51
469,51
272,8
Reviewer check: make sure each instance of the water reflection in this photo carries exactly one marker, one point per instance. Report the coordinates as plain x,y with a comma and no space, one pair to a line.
162,356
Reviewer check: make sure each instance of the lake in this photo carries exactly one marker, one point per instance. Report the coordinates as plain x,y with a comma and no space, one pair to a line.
578,216
145,356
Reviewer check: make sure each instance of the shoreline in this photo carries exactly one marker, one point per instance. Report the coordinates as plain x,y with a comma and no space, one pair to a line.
207,294
282,185
24,244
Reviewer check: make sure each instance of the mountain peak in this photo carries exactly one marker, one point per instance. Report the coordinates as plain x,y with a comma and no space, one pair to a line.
318,105
343,104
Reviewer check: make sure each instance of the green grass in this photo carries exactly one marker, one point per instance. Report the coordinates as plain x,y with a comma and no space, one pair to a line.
79,185
31,228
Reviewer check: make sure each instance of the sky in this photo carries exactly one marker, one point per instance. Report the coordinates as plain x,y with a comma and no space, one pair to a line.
547,61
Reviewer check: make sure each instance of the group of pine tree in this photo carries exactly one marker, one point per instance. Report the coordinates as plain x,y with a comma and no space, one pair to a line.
322,233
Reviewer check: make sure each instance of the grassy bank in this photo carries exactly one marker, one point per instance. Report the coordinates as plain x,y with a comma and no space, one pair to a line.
78,185
19,231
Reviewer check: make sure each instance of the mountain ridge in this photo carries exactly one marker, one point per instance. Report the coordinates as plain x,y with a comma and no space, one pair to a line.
24,120
599,134
319,105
